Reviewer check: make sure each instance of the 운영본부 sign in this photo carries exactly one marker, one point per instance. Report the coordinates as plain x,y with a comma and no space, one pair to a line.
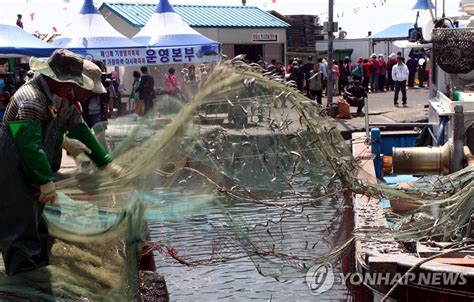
264,37
155,55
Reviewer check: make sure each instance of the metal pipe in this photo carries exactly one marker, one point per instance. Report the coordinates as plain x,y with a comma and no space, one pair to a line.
330,52
422,160
458,139
367,134
377,151
431,11
399,125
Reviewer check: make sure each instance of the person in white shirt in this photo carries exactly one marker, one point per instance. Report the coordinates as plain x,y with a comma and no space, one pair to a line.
400,77
323,67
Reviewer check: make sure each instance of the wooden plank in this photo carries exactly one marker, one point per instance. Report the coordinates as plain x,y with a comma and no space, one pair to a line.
368,213
469,262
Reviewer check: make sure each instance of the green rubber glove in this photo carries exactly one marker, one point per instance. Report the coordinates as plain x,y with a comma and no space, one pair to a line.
98,154
28,139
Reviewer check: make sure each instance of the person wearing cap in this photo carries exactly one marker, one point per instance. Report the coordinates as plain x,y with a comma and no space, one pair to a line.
412,65
146,88
171,82
297,76
137,104
96,108
94,102
358,70
346,73
335,75
421,72
400,75
355,95
382,72
374,73
306,69
323,67
192,81
315,84
392,61
366,65
31,134
203,74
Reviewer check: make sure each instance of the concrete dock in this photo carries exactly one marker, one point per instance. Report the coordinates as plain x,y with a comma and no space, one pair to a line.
382,110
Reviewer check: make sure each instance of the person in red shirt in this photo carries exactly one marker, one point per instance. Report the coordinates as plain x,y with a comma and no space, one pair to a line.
383,72
374,73
171,83
367,74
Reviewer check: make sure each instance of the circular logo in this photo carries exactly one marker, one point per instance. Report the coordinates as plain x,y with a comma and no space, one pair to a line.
320,278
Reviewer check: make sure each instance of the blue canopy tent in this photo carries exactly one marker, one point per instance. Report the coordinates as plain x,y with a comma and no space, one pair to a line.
174,40
92,36
399,30
16,42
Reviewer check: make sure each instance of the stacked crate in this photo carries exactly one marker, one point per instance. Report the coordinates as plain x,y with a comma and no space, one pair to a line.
305,30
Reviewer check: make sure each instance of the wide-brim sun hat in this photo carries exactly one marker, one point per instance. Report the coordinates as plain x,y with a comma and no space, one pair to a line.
91,70
63,66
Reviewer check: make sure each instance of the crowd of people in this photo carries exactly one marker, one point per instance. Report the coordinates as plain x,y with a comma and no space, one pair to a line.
374,74
181,85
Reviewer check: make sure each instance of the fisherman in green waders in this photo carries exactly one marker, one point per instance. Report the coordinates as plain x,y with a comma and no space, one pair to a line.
33,130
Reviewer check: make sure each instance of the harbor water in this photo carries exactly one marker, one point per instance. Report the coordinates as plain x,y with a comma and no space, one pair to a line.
193,235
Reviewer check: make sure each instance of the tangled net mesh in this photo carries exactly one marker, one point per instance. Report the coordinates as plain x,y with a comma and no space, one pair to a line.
454,49
286,165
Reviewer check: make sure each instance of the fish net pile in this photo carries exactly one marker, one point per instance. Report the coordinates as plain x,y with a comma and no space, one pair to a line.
247,139
454,49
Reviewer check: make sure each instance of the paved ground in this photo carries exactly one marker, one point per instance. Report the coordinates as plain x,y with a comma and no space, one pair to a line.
381,110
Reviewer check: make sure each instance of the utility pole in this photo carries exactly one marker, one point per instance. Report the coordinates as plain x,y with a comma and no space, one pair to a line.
330,28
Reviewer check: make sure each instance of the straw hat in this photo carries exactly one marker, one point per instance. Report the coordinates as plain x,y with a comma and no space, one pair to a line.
93,71
63,66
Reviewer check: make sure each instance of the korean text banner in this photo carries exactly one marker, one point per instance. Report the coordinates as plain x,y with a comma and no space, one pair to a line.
155,55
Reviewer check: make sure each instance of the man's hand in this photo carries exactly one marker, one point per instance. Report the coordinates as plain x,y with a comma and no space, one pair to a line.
74,146
48,193
114,170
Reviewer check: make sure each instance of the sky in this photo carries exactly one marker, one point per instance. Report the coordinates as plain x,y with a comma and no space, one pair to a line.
357,17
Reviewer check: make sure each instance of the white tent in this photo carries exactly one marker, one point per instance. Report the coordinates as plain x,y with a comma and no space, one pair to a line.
89,30
15,42
169,34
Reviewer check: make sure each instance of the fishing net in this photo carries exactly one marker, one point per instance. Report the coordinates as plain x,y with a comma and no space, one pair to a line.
454,49
246,141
